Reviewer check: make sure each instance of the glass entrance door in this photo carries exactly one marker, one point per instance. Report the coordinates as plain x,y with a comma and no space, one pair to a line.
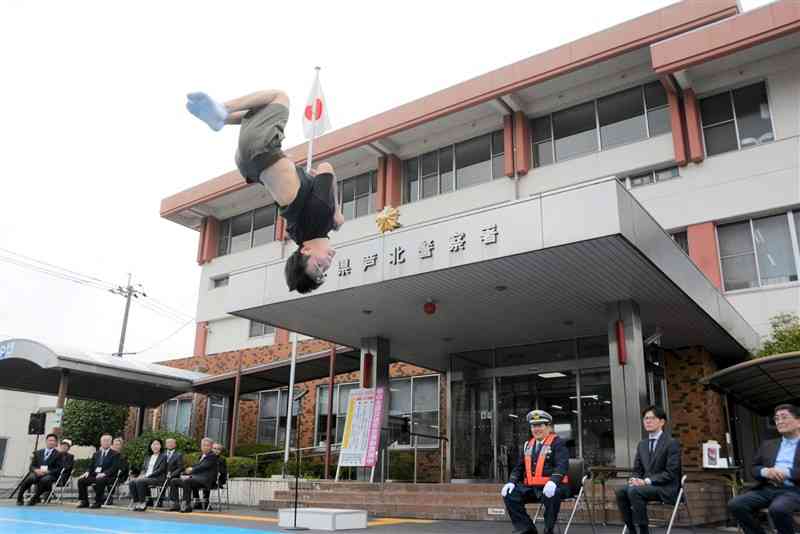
472,398
554,392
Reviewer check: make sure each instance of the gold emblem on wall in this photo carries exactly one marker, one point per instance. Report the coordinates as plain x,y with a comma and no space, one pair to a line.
388,219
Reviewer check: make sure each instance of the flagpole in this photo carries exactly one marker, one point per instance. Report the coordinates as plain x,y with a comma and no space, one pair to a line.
313,121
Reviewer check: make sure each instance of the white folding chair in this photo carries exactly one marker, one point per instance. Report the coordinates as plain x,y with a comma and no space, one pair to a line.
680,500
59,485
575,473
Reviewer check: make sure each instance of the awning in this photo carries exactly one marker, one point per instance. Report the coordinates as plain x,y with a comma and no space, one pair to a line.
276,374
33,367
518,272
762,383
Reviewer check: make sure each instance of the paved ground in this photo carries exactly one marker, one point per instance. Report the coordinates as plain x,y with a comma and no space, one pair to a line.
239,520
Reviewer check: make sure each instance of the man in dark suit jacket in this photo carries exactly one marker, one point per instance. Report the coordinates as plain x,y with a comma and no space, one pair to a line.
656,472
67,459
776,466
175,462
203,474
539,476
101,473
44,470
222,475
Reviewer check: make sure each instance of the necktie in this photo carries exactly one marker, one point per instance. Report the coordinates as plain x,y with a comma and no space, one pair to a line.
537,449
46,454
652,445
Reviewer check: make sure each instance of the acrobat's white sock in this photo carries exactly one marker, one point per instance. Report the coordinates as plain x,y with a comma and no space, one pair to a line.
207,110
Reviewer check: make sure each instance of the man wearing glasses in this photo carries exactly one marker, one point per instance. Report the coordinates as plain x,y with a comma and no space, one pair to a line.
776,466
656,472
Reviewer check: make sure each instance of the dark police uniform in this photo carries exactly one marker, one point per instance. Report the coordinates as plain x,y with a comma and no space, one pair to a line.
539,464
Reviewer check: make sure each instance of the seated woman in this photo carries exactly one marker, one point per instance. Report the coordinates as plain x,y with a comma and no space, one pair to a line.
154,472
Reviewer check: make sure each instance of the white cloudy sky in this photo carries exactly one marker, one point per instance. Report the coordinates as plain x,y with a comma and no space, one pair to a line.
94,133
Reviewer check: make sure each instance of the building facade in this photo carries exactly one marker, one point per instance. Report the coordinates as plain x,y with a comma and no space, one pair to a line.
683,123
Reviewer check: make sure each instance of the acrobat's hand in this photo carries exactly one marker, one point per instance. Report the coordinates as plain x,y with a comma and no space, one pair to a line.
508,488
207,110
549,489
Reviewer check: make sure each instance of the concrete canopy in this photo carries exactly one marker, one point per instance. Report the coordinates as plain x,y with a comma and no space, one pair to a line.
762,383
33,367
518,272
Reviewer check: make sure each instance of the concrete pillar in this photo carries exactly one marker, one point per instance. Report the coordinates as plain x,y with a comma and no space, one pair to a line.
694,132
628,378
375,373
63,386
140,420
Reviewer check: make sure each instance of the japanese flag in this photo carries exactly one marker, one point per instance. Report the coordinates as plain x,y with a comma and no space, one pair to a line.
315,115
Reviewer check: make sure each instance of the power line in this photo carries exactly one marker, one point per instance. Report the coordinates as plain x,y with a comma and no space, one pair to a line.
69,271
157,343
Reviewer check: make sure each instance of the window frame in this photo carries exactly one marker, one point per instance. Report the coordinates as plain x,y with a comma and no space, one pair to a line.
278,415
216,281
729,90
653,173
334,414
453,167
226,225
250,334
164,425
414,439
371,208
600,147
795,246
4,450
225,406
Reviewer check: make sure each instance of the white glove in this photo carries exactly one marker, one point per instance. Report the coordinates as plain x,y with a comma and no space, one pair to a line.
549,489
508,488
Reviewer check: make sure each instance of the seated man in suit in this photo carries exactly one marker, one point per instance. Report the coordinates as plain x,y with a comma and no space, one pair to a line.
656,472
222,476
203,474
153,473
44,470
124,470
175,462
101,473
67,459
540,475
776,466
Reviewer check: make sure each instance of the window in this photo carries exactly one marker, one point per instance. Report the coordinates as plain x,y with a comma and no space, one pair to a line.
260,329
416,398
220,281
217,418
358,195
341,396
651,177
736,119
682,240
475,161
623,117
758,252
176,415
3,445
272,407
247,230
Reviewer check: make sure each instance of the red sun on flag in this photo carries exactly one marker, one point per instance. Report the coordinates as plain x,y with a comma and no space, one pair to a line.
318,110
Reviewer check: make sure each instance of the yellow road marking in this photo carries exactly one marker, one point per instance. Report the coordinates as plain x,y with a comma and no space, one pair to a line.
381,521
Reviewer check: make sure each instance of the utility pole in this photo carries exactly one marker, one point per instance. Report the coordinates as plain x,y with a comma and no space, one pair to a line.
127,292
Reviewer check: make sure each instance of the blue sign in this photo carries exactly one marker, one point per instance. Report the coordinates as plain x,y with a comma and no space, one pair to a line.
6,349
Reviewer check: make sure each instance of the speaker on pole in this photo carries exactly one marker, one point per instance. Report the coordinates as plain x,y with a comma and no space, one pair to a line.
36,424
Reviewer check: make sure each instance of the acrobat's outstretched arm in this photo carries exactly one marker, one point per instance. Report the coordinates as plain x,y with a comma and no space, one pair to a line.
218,114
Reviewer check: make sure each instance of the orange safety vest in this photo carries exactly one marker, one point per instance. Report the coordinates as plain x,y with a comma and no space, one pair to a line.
536,479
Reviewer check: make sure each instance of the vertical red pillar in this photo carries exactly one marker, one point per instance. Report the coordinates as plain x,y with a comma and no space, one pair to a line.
693,129
676,123
394,181
200,338
201,242
522,143
210,240
703,250
380,202
281,336
280,229
508,145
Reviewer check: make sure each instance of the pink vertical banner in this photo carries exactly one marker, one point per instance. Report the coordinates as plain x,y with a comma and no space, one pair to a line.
375,428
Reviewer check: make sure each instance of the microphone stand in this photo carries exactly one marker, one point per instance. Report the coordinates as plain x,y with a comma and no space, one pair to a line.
297,469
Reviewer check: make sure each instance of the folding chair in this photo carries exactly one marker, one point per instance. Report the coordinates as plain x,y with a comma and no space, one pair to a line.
160,492
575,473
61,483
117,481
218,486
680,500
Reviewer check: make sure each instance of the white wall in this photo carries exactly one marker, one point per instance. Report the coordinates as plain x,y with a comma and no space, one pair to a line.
233,333
15,410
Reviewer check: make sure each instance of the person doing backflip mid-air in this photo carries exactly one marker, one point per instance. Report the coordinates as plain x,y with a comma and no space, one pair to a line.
309,204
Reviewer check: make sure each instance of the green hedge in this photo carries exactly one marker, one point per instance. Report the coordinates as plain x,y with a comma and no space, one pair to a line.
136,450
81,466
237,466
251,449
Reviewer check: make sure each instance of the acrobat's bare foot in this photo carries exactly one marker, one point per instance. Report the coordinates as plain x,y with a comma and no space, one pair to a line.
207,110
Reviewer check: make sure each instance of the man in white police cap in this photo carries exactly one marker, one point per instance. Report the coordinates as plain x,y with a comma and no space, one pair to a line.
539,476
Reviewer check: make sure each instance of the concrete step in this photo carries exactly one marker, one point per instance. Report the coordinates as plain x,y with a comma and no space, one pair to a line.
390,487
398,497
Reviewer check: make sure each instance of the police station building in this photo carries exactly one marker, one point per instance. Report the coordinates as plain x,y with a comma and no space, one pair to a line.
587,231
